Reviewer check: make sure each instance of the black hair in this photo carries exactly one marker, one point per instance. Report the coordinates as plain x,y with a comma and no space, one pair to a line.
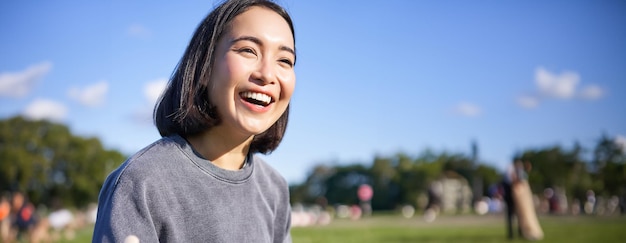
184,108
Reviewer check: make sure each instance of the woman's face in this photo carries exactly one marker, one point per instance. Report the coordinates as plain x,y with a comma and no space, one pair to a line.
253,75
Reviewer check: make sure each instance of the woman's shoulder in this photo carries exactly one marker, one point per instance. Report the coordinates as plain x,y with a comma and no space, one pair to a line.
156,151
267,172
149,161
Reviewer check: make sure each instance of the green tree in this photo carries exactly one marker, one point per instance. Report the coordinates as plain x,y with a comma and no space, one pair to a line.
487,176
557,167
44,160
396,180
341,187
412,178
314,188
385,186
549,168
610,165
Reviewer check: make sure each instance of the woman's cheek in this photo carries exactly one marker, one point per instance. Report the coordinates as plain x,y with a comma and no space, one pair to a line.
288,84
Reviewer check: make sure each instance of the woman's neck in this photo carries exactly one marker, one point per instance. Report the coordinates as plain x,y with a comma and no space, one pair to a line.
223,150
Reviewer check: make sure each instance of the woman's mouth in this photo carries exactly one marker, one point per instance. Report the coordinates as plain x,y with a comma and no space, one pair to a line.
256,98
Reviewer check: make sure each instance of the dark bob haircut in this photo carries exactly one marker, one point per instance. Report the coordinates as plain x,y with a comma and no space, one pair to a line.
184,107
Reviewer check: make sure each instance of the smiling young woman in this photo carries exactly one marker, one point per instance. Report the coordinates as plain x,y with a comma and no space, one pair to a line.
252,82
227,100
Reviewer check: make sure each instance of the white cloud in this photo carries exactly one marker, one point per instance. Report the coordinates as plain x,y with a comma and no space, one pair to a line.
153,89
137,30
592,92
467,109
19,84
621,142
527,101
93,95
45,109
562,86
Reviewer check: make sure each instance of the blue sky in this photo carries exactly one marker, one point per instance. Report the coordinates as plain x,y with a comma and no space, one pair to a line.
373,78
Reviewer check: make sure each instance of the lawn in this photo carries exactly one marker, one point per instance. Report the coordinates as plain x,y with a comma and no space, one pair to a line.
467,228
490,228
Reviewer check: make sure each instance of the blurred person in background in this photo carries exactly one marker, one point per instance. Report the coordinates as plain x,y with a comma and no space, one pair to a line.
23,216
515,172
5,221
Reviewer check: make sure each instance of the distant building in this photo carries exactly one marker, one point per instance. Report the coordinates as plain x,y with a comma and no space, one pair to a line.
454,192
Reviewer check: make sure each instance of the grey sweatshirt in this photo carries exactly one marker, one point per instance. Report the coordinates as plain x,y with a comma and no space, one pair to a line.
167,193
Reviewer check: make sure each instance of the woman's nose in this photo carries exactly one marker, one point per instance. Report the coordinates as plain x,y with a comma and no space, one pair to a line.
265,72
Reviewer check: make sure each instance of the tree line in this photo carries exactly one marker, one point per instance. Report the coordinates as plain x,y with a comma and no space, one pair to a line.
400,179
47,162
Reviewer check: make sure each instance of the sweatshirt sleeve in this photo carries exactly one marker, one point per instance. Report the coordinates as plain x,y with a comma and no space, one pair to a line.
123,210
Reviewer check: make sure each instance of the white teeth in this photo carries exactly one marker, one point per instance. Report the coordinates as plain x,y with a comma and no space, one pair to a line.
257,96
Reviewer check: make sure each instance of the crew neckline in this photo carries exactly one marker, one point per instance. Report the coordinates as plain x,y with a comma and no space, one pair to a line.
230,176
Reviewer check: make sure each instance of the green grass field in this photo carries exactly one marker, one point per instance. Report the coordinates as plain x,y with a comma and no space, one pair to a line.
391,228
467,228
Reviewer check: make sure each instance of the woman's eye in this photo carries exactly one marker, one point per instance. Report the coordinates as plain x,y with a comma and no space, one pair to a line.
287,61
246,50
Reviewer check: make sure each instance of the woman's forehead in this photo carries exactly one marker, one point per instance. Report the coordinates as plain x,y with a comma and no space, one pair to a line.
262,23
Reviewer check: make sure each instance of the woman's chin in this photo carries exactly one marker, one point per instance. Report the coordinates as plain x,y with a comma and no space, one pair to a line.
253,125
255,129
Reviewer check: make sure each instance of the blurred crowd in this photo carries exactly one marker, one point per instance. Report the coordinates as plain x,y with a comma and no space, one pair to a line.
21,221
444,197
555,201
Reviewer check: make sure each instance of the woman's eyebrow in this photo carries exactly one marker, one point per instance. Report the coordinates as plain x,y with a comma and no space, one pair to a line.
247,38
287,49
259,42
